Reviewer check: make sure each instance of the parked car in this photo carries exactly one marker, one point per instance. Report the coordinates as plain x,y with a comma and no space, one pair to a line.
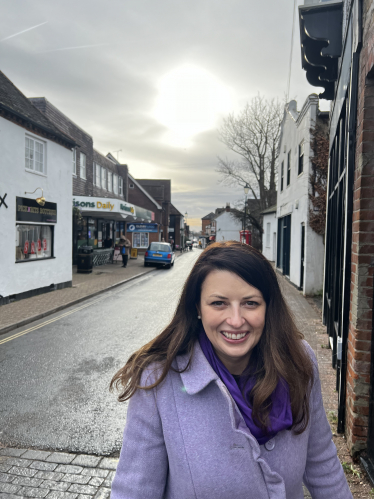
159,254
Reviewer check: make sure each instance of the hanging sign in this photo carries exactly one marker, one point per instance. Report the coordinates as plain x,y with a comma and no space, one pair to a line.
45,244
39,246
26,248
28,210
32,248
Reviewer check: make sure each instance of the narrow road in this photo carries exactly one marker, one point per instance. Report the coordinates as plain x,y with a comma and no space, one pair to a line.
55,372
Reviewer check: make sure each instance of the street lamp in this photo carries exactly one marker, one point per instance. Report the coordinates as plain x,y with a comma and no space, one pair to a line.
246,190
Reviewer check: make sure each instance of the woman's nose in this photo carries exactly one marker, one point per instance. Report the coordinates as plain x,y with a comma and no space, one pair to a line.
235,318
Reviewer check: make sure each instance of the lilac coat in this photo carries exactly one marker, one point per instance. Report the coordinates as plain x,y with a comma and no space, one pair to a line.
186,439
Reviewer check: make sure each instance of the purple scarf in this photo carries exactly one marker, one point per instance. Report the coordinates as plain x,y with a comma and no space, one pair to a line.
280,416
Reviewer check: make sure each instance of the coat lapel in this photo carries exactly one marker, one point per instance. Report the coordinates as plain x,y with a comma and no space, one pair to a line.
199,374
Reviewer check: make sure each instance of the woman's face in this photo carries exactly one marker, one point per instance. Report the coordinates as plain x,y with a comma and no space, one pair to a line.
233,315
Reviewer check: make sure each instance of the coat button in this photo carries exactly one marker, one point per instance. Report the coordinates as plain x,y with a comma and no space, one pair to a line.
270,444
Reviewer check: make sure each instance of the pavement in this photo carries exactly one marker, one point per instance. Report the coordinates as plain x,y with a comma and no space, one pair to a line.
105,277
34,473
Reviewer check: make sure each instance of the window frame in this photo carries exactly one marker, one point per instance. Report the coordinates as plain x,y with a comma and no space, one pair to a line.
103,179
74,161
120,186
282,176
97,177
289,168
44,154
115,183
110,181
300,168
83,156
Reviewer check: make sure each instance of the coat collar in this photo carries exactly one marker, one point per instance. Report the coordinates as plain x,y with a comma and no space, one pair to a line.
199,374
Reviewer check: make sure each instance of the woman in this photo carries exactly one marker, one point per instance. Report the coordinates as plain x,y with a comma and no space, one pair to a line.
226,402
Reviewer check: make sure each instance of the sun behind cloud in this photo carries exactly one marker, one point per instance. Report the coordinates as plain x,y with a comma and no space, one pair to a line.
190,101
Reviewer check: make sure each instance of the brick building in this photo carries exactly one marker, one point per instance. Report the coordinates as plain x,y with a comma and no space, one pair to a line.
345,67
99,194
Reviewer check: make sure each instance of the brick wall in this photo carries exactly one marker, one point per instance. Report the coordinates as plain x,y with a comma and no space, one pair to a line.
362,269
138,198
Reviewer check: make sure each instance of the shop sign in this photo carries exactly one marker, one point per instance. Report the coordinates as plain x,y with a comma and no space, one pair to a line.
2,201
132,227
28,210
103,204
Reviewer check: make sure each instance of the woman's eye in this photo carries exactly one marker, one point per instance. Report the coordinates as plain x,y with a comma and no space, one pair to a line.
218,303
251,303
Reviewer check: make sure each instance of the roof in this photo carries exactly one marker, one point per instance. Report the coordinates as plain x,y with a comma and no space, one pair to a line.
131,178
17,104
271,209
174,211
209,217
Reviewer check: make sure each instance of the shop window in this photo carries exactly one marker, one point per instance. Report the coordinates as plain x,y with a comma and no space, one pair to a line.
74,161
34,242
288,168
82,162
120,186
110,181
34,155
103,178
140,239
301,158
115,184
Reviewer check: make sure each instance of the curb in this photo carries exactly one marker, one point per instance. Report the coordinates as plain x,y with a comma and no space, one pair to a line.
16,325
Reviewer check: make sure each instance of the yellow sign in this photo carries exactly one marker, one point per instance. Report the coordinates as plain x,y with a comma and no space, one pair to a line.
105,206
134,253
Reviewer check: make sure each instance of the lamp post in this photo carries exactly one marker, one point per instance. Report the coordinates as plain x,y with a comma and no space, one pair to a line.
246,190
185,216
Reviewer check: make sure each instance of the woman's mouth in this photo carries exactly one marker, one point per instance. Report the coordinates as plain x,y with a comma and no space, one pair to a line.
236,337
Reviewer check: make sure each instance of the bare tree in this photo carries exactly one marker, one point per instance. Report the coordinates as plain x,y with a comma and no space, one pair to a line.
254,135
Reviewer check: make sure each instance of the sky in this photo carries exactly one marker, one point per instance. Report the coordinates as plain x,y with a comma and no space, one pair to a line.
151,81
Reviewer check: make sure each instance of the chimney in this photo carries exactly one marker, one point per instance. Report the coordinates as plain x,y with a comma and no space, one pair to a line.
227,206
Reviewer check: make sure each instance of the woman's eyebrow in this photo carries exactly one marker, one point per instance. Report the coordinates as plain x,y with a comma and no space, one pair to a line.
225,298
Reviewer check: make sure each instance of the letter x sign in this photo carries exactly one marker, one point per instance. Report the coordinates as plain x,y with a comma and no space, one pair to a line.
2,201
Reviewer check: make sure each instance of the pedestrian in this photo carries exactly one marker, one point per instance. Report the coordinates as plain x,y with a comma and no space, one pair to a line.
125,245
226,402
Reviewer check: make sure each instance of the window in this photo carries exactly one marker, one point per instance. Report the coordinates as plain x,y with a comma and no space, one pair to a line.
34,242
131,186
82,162
98,175
103,178
140,239
282,175
110,181
301,158
115,184
120,186
268,235
74,161
34,155
288,167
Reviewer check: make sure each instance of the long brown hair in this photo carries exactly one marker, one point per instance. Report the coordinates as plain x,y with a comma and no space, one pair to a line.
279,354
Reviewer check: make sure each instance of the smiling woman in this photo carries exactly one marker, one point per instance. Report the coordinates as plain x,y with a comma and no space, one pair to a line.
190,100
226,402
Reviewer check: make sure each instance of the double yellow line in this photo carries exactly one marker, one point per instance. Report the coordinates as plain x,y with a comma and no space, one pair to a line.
21,333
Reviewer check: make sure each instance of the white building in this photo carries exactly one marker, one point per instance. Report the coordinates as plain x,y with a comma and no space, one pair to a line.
269,239
300,250
35,253
227,227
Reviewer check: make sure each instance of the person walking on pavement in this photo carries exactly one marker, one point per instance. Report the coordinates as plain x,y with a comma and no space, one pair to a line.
226,402
125,245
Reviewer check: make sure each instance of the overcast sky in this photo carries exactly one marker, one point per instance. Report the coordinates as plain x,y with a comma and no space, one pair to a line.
154,78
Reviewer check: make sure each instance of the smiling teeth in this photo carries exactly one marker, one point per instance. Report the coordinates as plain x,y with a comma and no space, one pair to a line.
231,336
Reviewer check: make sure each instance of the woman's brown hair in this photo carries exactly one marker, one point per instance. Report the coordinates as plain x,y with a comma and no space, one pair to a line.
280,353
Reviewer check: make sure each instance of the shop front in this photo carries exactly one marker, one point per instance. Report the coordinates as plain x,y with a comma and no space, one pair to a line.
142,235
100,223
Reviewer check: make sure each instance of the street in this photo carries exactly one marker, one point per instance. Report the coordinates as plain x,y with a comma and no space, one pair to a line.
55,372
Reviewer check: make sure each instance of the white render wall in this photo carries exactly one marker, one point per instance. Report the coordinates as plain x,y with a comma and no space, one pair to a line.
294,199
57,184
269,248
227,227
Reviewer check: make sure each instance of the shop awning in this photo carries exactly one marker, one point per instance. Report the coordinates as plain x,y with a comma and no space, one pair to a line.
321,44
111,209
